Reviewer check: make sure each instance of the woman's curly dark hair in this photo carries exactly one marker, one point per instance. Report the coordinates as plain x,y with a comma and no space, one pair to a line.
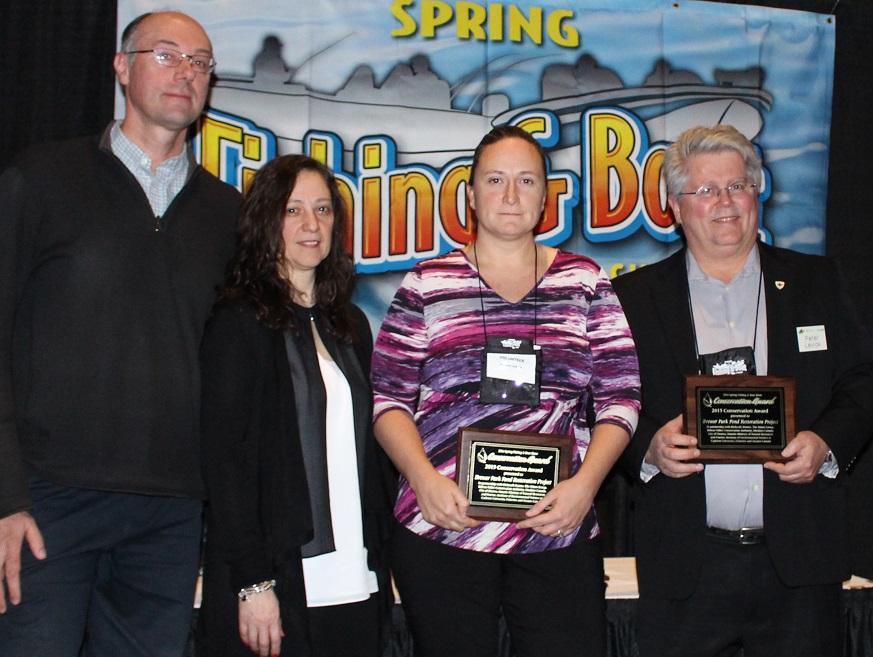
257,271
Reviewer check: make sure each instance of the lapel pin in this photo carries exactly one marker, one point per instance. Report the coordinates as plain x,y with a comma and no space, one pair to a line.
779,284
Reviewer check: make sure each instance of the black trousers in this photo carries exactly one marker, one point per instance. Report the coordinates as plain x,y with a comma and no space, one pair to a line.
553,601
118,579
740,602
347,630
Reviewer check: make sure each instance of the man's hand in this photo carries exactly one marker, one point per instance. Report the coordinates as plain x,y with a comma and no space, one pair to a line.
14,530
670,450
805,455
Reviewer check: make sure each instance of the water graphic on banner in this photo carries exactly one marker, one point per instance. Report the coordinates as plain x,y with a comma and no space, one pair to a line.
395,96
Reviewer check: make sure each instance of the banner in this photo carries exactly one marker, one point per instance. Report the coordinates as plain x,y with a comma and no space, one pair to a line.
394,96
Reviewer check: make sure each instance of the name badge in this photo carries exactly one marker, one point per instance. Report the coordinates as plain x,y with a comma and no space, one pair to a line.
511,370
520,368
811,338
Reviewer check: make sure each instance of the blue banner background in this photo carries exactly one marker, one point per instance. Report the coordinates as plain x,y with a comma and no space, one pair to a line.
332,71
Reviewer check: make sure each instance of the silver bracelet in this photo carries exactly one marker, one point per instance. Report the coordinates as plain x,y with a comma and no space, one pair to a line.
260,587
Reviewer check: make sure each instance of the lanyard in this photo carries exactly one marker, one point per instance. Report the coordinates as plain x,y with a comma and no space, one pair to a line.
694,327
482,301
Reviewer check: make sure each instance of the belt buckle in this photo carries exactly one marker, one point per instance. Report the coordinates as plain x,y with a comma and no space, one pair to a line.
749,536
743,536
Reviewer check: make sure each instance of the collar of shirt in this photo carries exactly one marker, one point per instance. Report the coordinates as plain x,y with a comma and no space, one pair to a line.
161,186
725,315
751,268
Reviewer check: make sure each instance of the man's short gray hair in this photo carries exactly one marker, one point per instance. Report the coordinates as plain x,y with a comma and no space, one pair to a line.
701,139
128,36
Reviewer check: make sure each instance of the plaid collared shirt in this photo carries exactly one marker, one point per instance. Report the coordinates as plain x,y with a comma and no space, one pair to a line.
169,177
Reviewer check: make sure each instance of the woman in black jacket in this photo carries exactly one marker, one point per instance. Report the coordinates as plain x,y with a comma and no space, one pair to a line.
299,493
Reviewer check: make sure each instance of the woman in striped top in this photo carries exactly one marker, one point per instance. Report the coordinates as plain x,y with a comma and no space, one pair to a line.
544,573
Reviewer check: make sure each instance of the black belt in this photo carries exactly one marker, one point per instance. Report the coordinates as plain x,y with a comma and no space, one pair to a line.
745,536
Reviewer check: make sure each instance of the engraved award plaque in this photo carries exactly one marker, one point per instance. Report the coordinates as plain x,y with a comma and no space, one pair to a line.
504,473
740,418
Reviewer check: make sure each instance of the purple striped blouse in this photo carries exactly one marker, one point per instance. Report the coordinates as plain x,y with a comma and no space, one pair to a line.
427,362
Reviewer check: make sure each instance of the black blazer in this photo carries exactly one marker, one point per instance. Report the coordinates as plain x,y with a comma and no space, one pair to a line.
258,514
805,523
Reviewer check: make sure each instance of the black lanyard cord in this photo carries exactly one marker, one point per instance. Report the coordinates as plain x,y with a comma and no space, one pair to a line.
535,292
754,335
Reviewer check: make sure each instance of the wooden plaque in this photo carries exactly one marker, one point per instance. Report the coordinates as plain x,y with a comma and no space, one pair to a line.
504,473
740,418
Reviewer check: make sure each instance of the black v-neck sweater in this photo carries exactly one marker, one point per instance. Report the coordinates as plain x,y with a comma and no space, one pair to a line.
102,309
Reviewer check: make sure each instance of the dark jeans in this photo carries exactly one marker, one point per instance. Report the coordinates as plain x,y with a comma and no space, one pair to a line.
552,601
740,602
118,579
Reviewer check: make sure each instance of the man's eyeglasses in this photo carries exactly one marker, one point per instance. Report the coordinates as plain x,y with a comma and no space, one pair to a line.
172,58
709,192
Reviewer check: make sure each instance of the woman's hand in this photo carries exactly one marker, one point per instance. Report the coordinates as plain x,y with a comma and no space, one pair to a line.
564,507
260,626
441,501
561,510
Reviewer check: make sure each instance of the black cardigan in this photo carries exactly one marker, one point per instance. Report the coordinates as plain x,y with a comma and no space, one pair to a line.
258,514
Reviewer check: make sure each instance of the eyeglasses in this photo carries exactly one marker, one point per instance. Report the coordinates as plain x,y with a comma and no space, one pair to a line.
709,192
173,58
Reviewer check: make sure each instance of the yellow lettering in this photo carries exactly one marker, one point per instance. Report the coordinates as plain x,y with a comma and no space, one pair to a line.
457,229
620,268
252,147
532,25
407,23
371,217
372,156
212,133
495,22
348,197
491,22
434,13
247,176
318,150
655,209
566,36
419,187
551,213
232,149
612,170
471,18
534,125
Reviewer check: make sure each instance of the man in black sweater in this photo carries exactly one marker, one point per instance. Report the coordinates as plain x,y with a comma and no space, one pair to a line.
113,247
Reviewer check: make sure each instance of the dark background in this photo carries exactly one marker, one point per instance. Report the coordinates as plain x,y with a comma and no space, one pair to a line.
56,81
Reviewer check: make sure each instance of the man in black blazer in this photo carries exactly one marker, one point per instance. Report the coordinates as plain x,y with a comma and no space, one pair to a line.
741,555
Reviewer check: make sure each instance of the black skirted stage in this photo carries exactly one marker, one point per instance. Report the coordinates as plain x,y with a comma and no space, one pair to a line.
621,611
